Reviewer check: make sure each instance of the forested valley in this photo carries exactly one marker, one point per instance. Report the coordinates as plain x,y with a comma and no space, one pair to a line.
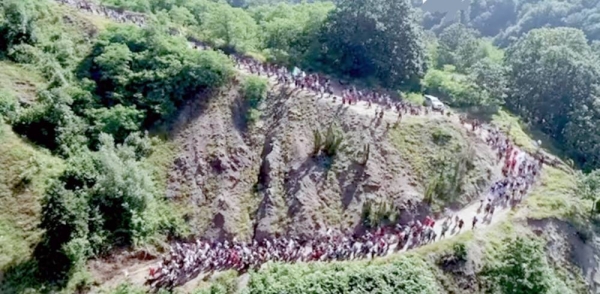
120,139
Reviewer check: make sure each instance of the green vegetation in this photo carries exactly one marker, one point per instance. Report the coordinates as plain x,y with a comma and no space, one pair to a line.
329,144
547,57
101,92
406,274
254,89
378,213
415,98
24,171
522,267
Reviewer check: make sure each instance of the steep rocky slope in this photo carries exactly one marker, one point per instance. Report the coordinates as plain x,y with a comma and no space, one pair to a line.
255,179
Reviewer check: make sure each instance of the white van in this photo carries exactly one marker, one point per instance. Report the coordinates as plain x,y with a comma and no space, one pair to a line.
434,102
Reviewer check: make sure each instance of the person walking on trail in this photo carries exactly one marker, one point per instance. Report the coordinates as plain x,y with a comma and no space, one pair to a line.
474,222
461,223
445,228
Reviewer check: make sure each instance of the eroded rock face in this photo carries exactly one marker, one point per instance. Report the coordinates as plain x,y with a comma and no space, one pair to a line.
263,180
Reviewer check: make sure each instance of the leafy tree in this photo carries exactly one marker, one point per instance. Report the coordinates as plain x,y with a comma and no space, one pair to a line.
375,38
64,219
152,71
182,16
490,16
114,66
582,136
455,89
288,32
121,193
554,77
459,46
118,121
490,78
51,122
17,26
102,199
254,90
230,27
522,268
588,187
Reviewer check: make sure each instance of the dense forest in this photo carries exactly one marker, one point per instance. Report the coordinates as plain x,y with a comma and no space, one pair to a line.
107,90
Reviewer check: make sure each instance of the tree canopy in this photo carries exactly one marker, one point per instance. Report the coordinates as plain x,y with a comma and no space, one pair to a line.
375,38
553,81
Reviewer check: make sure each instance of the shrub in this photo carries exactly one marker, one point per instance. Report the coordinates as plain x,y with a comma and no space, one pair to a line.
102,199
254,89
330,144
152,71
441,137
460,251
118,121
64,219
415,98
522,267
407,274
8,105
375,213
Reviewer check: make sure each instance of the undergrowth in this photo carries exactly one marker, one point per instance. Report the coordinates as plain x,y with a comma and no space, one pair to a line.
406,274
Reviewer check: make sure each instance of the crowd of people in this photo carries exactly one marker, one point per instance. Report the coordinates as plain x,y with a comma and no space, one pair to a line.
187,260
322,87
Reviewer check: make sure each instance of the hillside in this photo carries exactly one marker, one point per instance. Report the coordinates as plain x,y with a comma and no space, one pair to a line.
125,145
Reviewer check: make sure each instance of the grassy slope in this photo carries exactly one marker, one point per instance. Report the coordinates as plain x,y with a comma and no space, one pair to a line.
24,170
415,138
18,82
23,173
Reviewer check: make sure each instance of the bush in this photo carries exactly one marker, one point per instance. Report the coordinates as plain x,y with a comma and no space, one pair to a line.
152,71
460,251
407,274
118,121
330,144
441,137
64,220
254,89
8,105
375,214
453,88
18,24
102,199
522,268
415,98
